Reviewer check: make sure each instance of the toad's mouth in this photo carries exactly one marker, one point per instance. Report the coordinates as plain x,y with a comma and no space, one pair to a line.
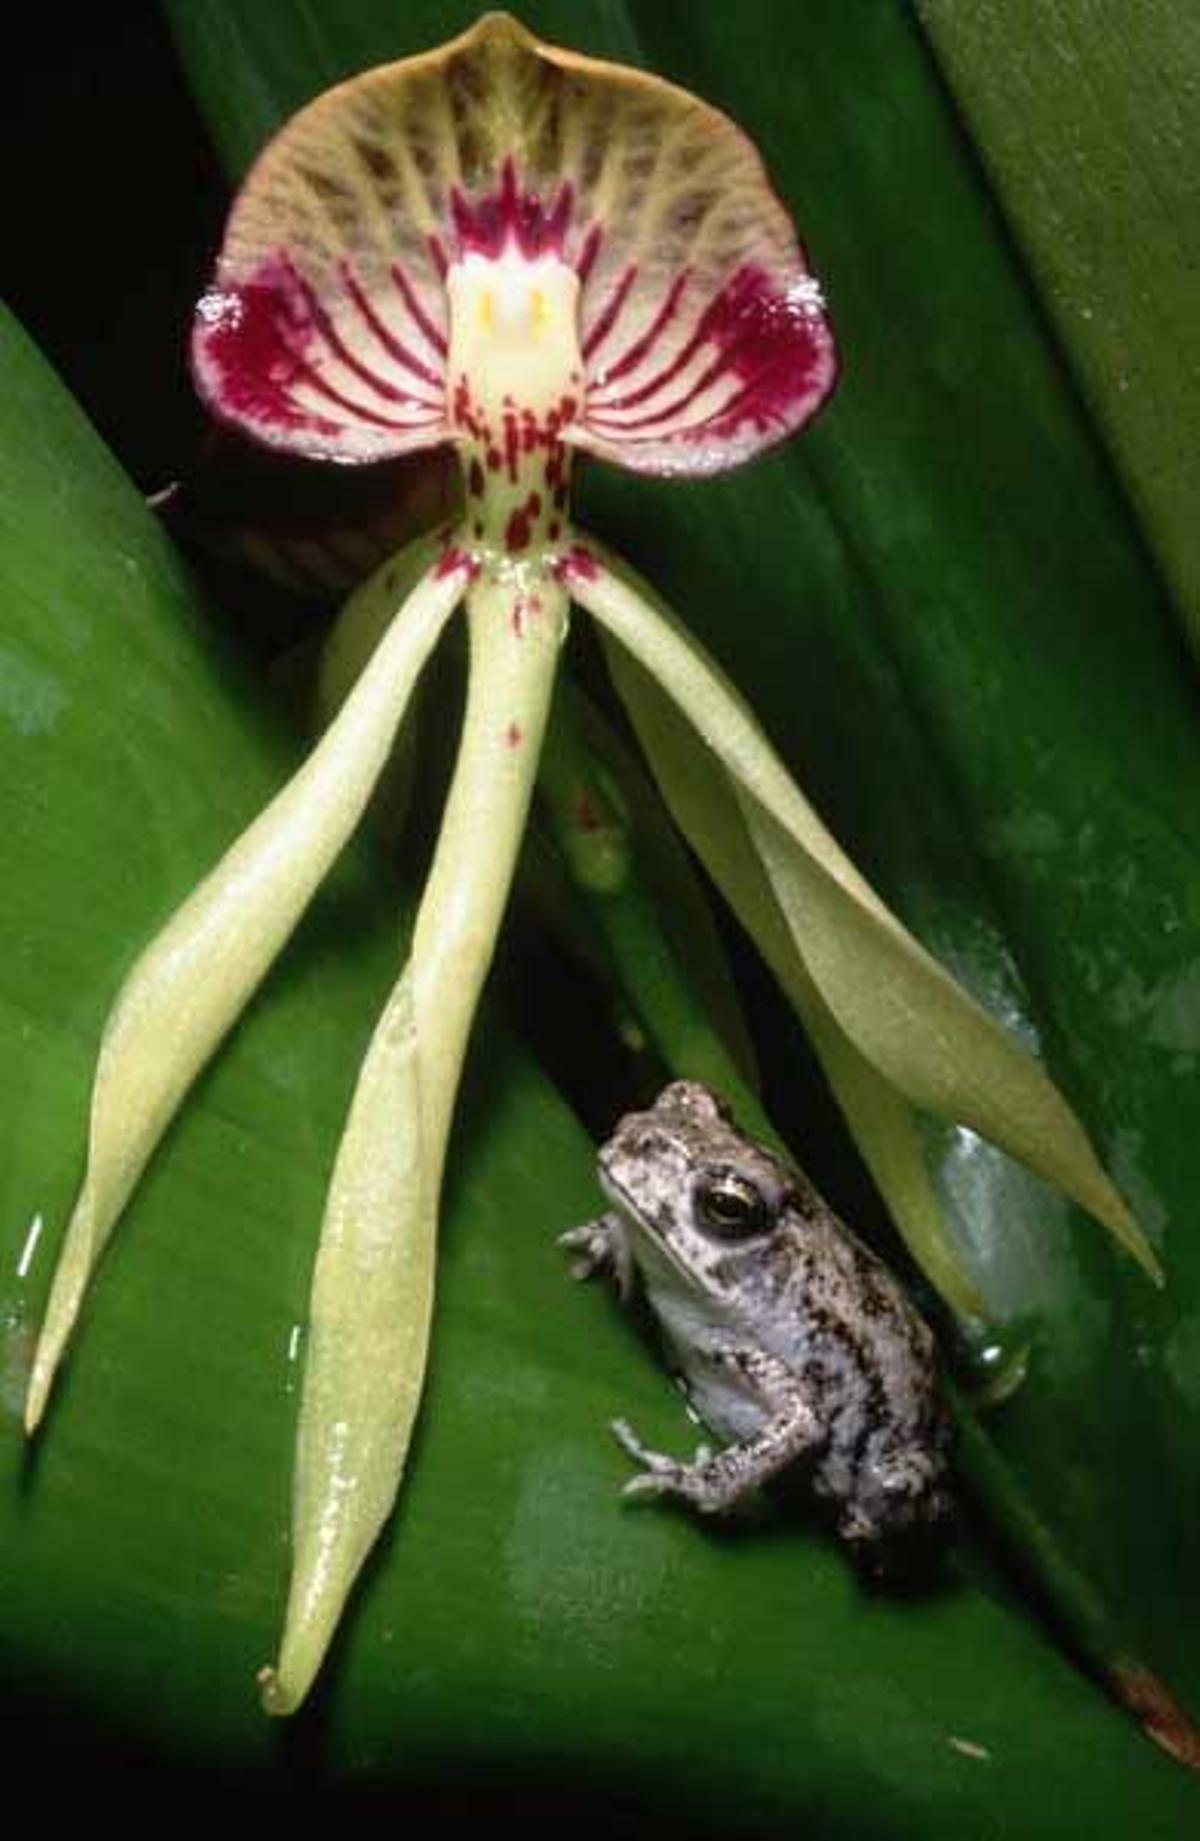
636,1220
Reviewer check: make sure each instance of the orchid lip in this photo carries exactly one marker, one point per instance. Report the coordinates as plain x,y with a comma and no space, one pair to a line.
330,327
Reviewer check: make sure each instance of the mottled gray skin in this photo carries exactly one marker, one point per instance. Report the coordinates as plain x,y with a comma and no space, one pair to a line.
791,1340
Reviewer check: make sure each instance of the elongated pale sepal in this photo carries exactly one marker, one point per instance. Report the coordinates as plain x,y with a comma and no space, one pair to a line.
373,1292
191,983
902,1011
369,1318
704,804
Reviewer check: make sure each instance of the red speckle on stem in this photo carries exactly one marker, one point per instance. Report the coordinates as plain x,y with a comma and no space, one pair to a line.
578,565
518,532
513,735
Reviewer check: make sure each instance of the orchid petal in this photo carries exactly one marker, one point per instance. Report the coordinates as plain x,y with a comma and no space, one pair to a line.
327,328
898,1007
194,979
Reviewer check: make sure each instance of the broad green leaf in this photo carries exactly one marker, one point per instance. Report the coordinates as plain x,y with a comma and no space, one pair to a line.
1088,121
512,1640
941,609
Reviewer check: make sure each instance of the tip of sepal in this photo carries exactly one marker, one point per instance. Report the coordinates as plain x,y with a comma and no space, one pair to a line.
47,1358
35,1400
1111,1210
278,1699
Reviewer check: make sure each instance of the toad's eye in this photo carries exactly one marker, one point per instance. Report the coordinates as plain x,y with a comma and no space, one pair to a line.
730,1205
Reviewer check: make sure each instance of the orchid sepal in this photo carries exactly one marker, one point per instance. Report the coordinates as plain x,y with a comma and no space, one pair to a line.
373,1287
192,982
895,1005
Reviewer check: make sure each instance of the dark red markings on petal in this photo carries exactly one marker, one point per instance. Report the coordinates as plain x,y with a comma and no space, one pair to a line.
643,347
776,349
394,347
421,319
308,374
244,365
254,346
607,317
589,250
438,257
492,221
668,411
326,330
706,328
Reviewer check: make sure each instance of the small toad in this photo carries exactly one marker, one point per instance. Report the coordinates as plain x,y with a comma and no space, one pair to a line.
790,1339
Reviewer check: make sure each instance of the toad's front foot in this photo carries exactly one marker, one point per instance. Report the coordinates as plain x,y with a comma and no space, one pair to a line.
601,1246
702,1482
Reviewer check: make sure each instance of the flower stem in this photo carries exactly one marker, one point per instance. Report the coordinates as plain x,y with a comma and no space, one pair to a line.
372,1293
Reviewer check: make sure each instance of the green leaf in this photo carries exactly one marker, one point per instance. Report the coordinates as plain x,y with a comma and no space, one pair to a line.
520,1632
1088,121
942,608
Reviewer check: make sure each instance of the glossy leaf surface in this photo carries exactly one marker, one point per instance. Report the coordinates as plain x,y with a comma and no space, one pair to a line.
1088,121
941,606
515,1629
855,1726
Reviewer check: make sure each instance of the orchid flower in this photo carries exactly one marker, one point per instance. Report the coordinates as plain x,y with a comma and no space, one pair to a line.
524,253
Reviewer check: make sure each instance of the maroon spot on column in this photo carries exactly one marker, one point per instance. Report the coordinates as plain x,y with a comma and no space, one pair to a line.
494,460
512,444
475,479
513,735
518,532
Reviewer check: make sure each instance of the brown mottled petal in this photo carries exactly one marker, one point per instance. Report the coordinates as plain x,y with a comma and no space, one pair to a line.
327,326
